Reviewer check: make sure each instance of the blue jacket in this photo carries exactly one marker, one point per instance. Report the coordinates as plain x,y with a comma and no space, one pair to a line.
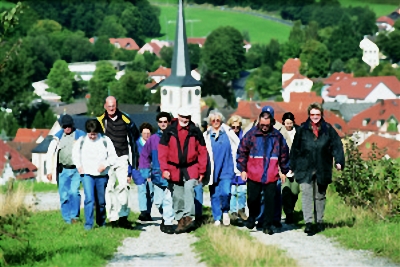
222,153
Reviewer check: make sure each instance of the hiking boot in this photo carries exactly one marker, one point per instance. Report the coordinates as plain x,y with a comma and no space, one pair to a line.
179,229
277,224
308,229
234,216
242,214
115,224
162,226
251,222
225,219
145,217
289,218
268,231
320,227
189,224
74,221
124,223
168,229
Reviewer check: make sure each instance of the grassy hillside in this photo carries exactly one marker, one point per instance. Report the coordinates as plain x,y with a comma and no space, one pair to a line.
376,5
206,20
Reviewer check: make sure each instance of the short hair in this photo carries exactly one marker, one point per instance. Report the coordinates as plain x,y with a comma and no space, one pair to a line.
233,119
315,105
164,114
215,113
265,114
288,116
145,125
93,126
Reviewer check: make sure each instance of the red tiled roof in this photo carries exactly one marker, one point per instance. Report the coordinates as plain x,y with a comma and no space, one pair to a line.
196,40
17,162
25,135
392,146
382,110
150,85
292,65
385,19
361,87
251,109
161,71
308,97
297,76
125,43
337,77
156,48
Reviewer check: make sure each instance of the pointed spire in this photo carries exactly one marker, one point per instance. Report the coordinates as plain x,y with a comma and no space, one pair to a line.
180,70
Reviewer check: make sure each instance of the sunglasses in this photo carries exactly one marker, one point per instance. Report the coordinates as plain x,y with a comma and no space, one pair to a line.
216,120
162,121
315,114
235,127
265,125
67,126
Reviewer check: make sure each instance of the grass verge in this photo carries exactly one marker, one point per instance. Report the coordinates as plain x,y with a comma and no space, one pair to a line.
29,186
375,5
51,242
228,246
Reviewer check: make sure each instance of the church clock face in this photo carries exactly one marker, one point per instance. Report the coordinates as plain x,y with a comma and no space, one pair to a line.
164,92
197,92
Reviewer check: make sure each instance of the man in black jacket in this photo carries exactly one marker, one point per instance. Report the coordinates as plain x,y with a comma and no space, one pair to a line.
314,147
123,133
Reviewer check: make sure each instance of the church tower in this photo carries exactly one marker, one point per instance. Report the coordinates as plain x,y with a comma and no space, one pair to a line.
180,89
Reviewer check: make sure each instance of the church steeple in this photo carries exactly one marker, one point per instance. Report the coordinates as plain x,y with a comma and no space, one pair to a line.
180,68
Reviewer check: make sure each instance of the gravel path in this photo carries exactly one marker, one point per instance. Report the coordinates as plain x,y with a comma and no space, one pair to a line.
154,248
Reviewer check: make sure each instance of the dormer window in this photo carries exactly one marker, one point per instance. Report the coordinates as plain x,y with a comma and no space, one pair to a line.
365,122
337,88
354,83
368,85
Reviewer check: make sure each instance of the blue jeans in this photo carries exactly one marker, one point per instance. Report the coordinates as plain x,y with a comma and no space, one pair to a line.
220,196
163,201
145,195
278,205
238,197
198,200
95,190
69,181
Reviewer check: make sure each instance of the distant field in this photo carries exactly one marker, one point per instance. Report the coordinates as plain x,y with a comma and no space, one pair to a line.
6,4
206,20
379,9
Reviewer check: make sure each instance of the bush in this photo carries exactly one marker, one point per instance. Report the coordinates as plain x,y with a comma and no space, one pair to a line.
372,184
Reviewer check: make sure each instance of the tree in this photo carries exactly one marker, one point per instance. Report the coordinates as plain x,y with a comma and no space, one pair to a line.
317,88
390,45
131,89
44,27
60,80
111,28
357,67
272,53
265,81
255,56
102,49
138,64
223,53
194,55
337,65
150,22
44,119
99,86
314,59
297,34
131,20
166,54
384,69
76,48
8,125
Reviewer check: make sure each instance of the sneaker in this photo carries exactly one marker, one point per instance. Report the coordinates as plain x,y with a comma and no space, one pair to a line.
251,222
142,216
268,231
225,219
74,221
308,229
217,223
277,224
242,214
148,217
168,229
234,216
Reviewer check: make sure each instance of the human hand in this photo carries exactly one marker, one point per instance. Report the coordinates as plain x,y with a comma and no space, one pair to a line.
49,176
128,179
244,176
283,178
101,168
80,170
338,167
149,179
201,178
166,175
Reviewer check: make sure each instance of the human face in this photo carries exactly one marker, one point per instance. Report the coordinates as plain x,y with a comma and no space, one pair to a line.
215,122
183,121
315,115
92,136
111,106
236,127
163,123
146,134
67,129
265,125
288,124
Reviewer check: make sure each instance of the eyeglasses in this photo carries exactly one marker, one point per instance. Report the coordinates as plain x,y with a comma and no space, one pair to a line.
215,120
67,126
235,127
162,121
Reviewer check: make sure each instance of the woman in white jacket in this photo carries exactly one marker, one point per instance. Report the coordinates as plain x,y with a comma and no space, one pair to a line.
93,155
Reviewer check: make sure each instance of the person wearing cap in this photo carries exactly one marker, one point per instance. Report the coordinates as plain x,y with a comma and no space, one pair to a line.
182,155
290,188
60,165
315,147
262,151
123,133
149,167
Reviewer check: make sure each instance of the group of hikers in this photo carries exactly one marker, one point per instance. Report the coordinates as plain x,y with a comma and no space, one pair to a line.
267,165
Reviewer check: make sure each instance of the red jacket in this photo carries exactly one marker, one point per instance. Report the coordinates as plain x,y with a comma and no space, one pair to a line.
188,162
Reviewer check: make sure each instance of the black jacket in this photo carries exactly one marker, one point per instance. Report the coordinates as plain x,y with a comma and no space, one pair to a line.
133,135
309,154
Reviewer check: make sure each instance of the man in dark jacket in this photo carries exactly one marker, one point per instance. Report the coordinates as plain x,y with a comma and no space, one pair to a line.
123,133
261,153
314,147
183,160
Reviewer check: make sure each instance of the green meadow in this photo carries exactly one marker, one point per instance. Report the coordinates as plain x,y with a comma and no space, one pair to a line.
380,9
204,21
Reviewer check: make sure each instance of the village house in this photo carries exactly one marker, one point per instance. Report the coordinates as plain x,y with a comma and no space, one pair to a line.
154,47
382,119
385,23
370,52
292,80
124,43
40,89
386,147
363,90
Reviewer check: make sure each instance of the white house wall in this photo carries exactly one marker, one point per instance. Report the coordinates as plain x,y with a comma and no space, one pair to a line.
297,86
286,77
380,92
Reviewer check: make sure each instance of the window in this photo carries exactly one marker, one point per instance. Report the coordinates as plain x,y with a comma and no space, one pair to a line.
171,98
189,97
368,85
354,83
